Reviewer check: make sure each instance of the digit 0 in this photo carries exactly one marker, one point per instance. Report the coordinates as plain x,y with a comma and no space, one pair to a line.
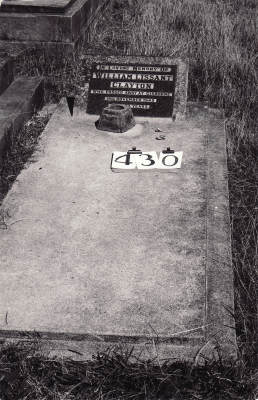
170,165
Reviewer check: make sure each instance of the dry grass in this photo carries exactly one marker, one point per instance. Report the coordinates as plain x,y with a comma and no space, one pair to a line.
62,72
220,39
116,374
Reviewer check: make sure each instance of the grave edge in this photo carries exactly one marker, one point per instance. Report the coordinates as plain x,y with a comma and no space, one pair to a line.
219,266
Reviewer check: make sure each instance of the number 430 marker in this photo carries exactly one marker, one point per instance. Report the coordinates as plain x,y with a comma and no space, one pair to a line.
146,160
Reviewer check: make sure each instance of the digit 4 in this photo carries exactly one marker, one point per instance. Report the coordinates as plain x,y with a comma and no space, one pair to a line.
123,160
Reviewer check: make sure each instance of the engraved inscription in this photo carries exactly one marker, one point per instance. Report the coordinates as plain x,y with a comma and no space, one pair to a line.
152,86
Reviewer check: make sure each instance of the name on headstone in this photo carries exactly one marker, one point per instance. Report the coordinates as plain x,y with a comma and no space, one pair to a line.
148,89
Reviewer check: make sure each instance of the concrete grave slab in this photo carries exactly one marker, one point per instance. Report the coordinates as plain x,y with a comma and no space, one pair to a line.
96,257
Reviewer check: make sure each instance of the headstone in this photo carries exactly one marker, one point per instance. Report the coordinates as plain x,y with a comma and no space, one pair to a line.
151,86
147,89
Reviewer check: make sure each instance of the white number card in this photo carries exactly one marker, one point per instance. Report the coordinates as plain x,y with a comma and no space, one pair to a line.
170,160
122,160
146,160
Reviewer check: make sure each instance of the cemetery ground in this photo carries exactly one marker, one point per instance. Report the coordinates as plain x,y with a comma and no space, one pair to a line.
220,40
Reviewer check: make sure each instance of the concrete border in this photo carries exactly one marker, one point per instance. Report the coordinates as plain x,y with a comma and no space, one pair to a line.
219,265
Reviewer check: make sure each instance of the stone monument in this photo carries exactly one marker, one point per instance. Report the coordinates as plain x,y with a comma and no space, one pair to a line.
25,23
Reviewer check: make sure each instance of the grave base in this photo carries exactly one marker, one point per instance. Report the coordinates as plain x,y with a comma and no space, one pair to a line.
153,348
68,30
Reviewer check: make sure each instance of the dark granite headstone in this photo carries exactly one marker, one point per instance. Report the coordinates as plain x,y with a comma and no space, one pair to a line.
148,89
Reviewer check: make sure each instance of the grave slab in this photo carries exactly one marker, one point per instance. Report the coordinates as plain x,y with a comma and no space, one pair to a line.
95,257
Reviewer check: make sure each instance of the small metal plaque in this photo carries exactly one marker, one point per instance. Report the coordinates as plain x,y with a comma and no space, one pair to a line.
148,89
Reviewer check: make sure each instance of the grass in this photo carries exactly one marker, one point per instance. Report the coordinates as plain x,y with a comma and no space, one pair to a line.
219,37
116,374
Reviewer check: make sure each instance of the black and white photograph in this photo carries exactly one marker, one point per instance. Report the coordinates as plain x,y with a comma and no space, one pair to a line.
128,200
